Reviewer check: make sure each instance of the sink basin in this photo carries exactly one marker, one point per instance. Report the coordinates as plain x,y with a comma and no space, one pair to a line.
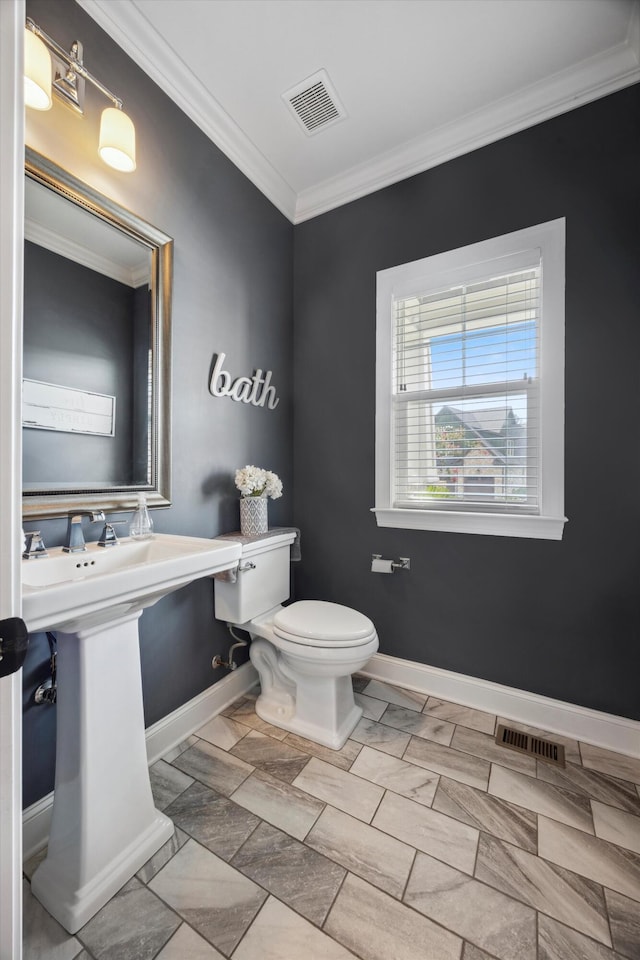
65,591
104,824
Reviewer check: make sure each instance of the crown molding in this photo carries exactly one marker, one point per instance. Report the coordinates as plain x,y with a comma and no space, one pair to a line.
132,31
71,250
597,77
589,80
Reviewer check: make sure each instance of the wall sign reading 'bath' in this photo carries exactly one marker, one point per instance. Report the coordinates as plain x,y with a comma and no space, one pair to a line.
256,390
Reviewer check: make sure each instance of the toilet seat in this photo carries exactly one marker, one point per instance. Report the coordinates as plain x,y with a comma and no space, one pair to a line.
318,623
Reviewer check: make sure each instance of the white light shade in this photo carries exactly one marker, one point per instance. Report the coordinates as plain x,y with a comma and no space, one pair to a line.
117,140
37,73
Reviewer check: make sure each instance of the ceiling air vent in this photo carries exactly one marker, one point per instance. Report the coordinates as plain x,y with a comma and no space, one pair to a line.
314,103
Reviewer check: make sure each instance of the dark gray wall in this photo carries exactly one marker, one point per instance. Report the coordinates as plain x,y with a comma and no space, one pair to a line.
560,619
77,333
557,618
232,293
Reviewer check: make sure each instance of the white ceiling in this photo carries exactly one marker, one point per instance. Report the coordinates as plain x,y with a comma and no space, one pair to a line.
422,81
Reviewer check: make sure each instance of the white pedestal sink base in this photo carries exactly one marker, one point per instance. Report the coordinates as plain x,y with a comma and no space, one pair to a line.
72,906
104,824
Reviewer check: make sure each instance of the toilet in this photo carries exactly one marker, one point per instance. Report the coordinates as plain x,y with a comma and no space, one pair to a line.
304,653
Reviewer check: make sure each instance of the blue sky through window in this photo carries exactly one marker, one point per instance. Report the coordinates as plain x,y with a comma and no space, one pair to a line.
497,355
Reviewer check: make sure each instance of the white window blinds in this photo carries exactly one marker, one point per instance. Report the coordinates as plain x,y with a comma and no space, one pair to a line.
465,398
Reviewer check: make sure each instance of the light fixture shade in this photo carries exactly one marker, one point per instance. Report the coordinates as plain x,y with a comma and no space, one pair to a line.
117,140
37,73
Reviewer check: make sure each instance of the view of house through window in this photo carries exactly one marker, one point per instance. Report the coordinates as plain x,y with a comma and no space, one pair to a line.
465,417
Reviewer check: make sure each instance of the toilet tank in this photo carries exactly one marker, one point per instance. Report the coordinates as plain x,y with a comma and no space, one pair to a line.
262,580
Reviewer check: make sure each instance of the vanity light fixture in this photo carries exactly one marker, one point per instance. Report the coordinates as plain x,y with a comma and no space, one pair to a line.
44,58
37,73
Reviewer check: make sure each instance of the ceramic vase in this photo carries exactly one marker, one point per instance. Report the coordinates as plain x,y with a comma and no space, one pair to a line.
254,519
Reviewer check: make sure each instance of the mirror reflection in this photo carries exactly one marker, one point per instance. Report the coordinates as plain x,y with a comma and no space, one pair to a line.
96,349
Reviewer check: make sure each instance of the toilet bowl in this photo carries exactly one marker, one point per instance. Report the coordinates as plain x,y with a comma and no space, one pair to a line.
304,653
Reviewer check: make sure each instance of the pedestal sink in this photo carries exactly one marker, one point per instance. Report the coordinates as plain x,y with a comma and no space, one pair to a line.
104,824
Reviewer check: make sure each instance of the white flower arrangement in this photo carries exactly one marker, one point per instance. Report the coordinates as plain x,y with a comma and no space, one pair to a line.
256,482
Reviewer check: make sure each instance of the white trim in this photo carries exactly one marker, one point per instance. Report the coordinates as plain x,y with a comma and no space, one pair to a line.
12,18
493,524
596,77
160,738
131,30
177,726
448,268
601,75
36,821
131,276
554,716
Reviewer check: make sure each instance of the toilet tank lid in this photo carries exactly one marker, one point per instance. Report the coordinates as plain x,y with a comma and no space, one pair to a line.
324,621
263,542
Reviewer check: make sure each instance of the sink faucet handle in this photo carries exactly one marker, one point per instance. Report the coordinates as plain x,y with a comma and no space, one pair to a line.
34,545
108,537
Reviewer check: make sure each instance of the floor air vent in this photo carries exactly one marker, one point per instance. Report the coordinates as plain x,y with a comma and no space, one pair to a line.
314,103
535,746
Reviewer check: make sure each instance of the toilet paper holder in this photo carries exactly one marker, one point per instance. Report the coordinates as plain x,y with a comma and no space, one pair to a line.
379,565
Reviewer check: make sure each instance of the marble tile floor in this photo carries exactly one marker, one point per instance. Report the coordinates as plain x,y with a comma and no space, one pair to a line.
419,840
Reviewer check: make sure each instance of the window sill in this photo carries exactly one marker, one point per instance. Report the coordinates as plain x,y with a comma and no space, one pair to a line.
497,525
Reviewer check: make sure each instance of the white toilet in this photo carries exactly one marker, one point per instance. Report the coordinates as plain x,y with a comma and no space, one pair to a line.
304,653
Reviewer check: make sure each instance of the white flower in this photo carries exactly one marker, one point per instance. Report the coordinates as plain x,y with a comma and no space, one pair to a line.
255,482
273,487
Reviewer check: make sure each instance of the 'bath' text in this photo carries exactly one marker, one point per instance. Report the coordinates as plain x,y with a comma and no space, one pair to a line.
256,389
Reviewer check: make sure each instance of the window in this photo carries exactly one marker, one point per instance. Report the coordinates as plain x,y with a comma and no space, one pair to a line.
470,388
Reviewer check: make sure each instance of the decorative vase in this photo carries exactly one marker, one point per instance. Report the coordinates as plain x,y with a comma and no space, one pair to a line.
254,518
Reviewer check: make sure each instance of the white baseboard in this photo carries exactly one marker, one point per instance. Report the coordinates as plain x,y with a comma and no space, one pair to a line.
177,726
36,821
160,738
555,716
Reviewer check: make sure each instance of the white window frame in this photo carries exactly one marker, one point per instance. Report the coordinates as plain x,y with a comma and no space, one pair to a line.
448,269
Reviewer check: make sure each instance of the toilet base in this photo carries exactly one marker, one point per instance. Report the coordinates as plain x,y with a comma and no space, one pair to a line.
310,697
335,738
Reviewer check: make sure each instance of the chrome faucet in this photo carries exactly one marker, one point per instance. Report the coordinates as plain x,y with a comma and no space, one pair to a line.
75,537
